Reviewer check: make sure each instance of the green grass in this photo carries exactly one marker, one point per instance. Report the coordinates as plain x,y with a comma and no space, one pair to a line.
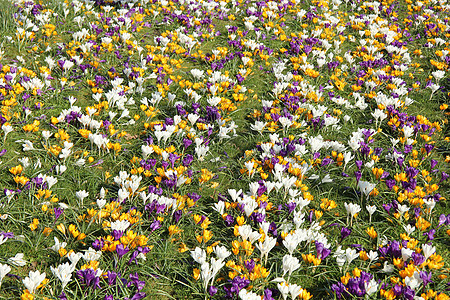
167,272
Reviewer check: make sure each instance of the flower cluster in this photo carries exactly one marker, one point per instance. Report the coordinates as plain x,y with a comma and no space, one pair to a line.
240,149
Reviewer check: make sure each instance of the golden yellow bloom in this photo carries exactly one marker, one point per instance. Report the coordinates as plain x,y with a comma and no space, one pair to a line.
16,170
240,220
34,224
371,232
47,231
207,235
196,273
62,252
26,295
61,228
173,229
183,248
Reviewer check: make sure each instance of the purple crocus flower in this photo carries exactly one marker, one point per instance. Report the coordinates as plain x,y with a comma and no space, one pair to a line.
121,250
155,225
139,284
426,277
138,296
89,278
212,290
345,232
430,234
359,163
229,220
268,295
250,265
390,183
417,258
442,220
58,211
117,234
358,175
433,163
444,176
112,277
98,244
322,252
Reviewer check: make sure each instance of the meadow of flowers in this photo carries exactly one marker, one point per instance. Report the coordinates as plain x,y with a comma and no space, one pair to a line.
228,149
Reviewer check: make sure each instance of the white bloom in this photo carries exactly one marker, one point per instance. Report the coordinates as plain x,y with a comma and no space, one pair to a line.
219,207
295,290
235,195
290,264
33,280
199,255
222,252
373,255
74,257
351,254
406,253
63,272
27,145
409,229
371,209
4,269
81,195
246,295
58,245
7,129
284,289
371,287
120,225
387,268
366,187
258,126
91,254
438,74
266,246
60,169
291,242
428,250
198,74
17,260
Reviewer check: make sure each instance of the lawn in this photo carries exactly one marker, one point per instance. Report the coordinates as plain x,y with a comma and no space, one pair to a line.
224,149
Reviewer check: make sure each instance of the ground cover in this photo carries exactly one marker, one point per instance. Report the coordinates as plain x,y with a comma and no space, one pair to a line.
224,149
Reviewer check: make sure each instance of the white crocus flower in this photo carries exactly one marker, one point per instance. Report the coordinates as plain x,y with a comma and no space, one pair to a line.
284,289
6,129
222,252
371,209
428,250
371,287
366,187
290,264
4,269
64,273
258,126
33,280
120,225
266,246
199,255
58,245
81,195
91,254
17,260
352,210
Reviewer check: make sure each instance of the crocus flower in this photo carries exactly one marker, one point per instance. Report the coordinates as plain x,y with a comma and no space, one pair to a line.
33,280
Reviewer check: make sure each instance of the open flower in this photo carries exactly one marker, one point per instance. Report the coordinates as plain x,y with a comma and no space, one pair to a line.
33,280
